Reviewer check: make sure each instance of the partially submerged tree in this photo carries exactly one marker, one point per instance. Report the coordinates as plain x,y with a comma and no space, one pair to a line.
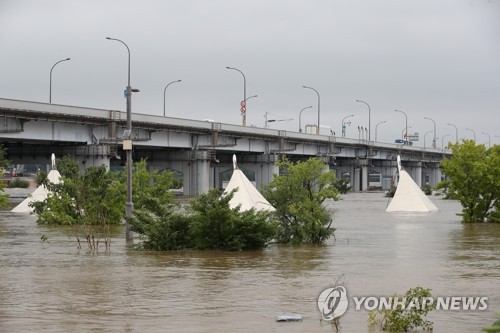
406,312
208,223
474,180
93,200
298,196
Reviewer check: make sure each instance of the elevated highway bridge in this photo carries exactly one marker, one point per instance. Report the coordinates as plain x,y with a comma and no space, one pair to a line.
200,150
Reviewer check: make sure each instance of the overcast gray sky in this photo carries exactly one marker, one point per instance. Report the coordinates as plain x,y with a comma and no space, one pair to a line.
429,58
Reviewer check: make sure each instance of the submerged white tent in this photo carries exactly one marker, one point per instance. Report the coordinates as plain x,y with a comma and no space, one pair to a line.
40,193
409,197
247,195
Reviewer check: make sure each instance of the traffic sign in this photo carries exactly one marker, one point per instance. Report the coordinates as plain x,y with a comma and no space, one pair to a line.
243,104
243,109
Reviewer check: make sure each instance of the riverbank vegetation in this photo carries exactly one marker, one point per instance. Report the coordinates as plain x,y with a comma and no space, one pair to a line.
3,165
409,314
207,223
298,194
96,199
473,173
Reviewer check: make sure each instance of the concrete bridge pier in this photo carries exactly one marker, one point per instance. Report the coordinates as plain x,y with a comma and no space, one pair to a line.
196,172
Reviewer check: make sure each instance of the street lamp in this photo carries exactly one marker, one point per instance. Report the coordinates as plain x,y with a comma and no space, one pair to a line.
403,131
129,205
434,140
425,136
317,129
381,122
473,132
164,92
300,115
243,103
246,99
456,132
50,85
489,139
343,124
406,126
369,118
442,141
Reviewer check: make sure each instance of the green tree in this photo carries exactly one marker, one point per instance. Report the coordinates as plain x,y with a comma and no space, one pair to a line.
406,315
161,227
215,225
207,223
474,180
298,196
93,200
148,185
4,163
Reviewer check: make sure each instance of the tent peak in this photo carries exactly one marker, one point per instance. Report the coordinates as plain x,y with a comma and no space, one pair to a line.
234,162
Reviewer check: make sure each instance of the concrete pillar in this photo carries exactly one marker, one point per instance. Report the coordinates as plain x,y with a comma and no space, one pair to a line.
203,176
364,178
356,177
265,173
418,173
196,173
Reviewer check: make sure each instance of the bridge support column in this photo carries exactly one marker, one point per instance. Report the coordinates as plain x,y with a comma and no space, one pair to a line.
364,178
196,172
418,173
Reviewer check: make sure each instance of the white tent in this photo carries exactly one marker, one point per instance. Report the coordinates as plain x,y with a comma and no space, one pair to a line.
247,195
409,197
40,193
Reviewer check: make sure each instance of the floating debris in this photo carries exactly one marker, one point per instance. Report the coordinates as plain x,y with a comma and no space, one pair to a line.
289,317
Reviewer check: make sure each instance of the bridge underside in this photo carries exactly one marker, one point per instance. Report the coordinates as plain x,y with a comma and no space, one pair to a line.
202,169
200,151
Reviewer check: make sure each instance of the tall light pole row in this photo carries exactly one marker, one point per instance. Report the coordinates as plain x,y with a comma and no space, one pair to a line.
164,92
50,84
317,128
406,126
127,146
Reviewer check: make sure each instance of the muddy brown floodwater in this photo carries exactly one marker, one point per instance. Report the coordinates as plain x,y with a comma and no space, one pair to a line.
53,287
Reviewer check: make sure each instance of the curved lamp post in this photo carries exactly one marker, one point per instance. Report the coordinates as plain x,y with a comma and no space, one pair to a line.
434,140
300,116
246,99
369,118
456,132
129,205
243,105
406,126
343,124
50,85
164,92
317,129
442,140
489,139
473,132
381,122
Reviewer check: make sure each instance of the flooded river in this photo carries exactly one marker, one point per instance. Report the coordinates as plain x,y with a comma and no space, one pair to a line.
52,286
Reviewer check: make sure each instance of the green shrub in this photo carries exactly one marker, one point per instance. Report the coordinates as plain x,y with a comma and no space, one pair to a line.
495,328
427,189
19,183
403,318
391,192
298,196
216,226
209,223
